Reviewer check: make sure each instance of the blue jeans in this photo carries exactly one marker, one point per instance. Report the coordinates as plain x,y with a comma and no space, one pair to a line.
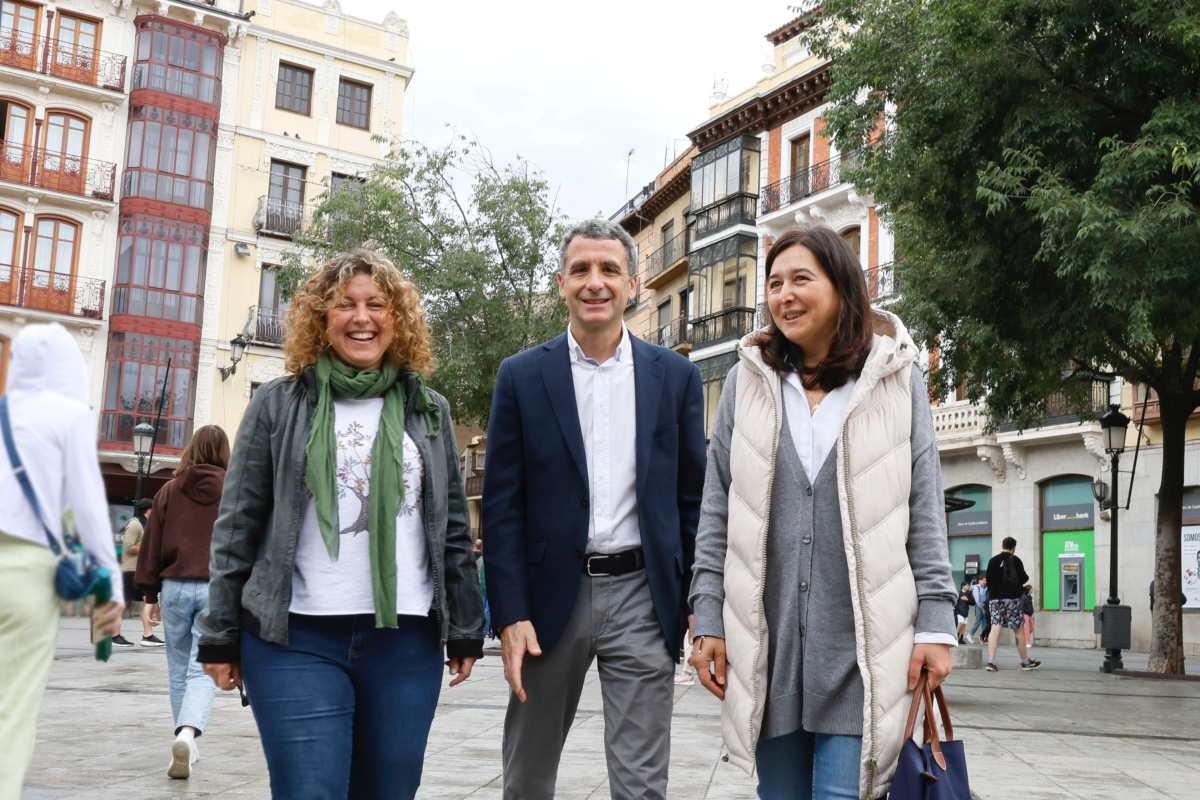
180,602
981,623
344,709
808,765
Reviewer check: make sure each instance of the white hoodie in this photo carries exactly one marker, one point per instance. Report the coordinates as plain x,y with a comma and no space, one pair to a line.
55,433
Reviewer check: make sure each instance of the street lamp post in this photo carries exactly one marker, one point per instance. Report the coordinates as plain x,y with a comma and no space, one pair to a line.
143,439
1114,618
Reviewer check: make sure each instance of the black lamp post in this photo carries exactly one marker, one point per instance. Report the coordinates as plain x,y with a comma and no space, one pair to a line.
1114,618
143,440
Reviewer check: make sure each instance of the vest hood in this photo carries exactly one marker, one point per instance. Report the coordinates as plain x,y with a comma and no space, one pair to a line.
45,358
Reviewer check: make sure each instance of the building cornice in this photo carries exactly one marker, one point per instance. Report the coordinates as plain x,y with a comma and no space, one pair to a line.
794,27
766,110
390,67
658,202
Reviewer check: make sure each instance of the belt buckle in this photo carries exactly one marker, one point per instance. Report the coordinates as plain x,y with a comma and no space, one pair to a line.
587,565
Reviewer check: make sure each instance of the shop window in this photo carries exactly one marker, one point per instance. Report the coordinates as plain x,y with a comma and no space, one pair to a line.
970,532
160,269
354,104
1068,544
136,374
293,89
178,61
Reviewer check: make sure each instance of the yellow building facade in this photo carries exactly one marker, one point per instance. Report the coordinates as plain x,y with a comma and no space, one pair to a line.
318,94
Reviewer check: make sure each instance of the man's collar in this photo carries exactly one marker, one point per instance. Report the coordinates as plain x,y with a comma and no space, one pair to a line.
621,355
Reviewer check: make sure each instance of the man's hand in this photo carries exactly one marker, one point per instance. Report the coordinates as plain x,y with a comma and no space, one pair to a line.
227,677
154,613
708,657
516,640
933,657
461,668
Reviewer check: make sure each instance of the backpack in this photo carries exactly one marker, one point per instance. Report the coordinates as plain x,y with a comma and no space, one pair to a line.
1008,570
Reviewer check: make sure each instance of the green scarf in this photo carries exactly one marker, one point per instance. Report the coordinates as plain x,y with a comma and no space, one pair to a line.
338,381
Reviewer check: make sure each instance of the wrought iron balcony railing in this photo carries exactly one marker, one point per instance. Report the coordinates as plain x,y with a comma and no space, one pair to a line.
805,183
474,486
52,291
49,56
734,210
60,172
728,323
1067,406
668,255
280,218
882,281
269,326
674,333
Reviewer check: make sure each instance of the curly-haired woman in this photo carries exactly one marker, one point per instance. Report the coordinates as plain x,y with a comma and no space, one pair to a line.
341,559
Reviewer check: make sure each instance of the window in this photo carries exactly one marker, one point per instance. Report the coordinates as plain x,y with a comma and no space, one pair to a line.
285,198
712,377
136,374
15,153
54,252
293,90
354,104
62,161
269,325
799,154
75,48
853,237
18,34
724,185
721,281
160,269
10,224
668,243
170,163
177,60
339,181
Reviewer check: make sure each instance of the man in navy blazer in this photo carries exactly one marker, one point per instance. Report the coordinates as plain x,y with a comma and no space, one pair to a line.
595,466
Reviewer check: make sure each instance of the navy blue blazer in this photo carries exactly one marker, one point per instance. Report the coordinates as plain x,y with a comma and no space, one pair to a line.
535,486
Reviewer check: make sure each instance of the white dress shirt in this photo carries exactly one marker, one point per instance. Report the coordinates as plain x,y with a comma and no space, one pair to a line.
606,403
815,434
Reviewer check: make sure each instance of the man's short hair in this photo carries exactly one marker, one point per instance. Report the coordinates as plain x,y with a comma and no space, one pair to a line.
1009,543
599,229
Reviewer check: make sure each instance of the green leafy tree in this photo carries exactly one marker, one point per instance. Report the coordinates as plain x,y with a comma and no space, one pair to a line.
1039,161
480,242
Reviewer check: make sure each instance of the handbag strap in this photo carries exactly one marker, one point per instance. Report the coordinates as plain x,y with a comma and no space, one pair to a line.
22,476
923,694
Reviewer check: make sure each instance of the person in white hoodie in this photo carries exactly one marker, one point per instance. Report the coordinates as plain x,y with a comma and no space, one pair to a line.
55,435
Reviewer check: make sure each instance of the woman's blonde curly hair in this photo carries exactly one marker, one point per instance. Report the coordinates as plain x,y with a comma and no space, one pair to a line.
306,339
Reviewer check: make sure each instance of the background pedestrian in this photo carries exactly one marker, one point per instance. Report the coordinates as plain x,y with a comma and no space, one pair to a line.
1006,577
131,546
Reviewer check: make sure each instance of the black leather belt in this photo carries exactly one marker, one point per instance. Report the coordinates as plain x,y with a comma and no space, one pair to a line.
599,565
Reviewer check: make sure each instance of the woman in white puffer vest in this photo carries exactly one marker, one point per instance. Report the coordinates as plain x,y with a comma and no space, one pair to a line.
822,583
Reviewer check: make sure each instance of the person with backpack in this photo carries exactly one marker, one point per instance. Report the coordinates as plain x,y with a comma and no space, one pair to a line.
47,465
1006,577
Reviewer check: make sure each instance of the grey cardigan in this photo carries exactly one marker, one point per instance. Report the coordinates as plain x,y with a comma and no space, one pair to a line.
814,681
258,527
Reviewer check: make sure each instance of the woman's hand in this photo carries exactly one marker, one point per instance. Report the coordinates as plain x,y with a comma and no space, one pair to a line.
932,657
106,620
461,668
708,657
227,677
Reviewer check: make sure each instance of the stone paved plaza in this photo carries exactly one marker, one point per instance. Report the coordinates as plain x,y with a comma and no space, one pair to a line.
1065,731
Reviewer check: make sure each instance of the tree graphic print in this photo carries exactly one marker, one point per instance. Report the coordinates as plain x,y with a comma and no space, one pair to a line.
354,475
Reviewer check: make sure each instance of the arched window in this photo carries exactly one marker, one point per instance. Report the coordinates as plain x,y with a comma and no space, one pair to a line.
64,148
853,237
16,126
1068,544
10,226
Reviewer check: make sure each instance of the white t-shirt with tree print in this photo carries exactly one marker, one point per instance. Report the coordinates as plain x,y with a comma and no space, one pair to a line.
321,586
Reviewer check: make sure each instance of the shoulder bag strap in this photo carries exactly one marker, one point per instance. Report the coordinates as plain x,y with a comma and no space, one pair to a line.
22,476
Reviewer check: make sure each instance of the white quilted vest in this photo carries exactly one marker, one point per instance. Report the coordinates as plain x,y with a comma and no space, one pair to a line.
874,471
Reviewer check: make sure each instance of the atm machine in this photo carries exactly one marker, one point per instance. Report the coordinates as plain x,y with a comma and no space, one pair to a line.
1071,574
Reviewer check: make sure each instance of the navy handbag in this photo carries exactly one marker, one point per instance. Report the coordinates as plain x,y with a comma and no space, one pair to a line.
936,770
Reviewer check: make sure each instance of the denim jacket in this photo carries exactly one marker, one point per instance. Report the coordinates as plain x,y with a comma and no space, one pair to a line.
262,506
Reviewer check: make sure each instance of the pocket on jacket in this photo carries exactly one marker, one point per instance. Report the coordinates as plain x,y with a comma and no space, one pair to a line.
536,553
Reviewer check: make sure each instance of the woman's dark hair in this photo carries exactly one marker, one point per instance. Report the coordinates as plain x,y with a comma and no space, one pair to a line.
209,445
852,340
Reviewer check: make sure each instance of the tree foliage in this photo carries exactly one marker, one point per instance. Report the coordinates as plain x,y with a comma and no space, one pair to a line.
1040,165
478,239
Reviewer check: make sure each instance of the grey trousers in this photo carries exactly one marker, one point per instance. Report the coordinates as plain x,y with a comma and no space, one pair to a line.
613,622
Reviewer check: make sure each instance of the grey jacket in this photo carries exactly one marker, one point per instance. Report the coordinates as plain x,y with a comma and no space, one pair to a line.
262,507
814,681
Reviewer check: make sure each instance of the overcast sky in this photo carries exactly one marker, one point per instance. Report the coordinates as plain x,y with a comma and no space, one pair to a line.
572,90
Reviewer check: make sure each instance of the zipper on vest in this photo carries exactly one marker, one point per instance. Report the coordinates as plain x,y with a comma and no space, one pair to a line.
762,591
873,723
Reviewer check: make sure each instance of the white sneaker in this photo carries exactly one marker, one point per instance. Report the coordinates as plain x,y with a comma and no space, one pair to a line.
969,639
184,753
